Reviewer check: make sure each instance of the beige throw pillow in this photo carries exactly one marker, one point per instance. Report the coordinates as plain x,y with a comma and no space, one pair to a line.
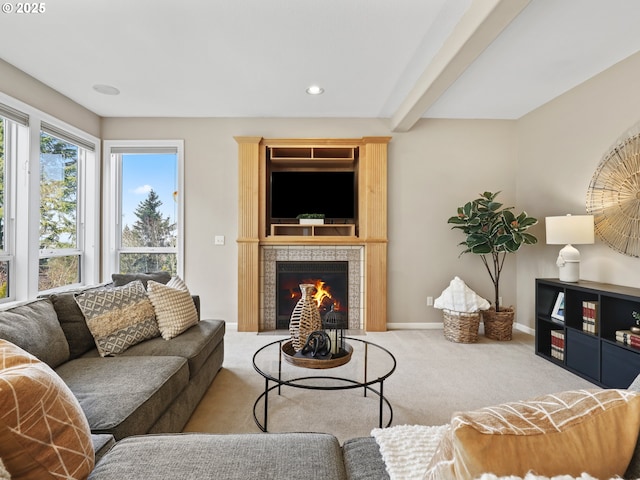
569,433
118,317
43,431
175,310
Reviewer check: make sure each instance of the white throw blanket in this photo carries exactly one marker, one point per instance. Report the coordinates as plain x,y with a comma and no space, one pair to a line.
407,449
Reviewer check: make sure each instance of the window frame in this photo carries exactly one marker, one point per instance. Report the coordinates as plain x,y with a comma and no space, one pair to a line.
112,207
13,131
24,172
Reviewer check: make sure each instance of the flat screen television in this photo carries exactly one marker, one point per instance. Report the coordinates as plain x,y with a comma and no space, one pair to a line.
331,193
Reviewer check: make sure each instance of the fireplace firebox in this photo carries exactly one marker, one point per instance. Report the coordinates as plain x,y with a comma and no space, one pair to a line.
331,279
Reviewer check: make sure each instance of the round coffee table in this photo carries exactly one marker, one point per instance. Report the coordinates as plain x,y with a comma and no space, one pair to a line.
370,365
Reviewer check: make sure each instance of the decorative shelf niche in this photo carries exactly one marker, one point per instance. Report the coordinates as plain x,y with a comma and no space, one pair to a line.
324,230
310,158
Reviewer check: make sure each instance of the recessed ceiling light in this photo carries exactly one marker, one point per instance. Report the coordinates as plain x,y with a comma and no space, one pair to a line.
315,90
106,89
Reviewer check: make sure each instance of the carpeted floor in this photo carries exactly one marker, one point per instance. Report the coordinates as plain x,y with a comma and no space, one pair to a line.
433,378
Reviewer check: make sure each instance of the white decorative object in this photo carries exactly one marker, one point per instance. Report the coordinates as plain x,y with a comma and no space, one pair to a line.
458,297
311,221
570,230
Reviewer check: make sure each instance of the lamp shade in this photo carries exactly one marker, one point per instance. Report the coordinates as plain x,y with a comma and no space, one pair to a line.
570,229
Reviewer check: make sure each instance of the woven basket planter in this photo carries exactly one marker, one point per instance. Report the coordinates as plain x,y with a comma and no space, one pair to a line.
461,327
498,325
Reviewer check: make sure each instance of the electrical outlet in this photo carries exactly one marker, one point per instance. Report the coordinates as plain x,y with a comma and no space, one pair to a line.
430,301
218,240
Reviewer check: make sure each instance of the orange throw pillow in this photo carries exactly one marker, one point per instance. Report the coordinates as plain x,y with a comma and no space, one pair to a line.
44,433
568,433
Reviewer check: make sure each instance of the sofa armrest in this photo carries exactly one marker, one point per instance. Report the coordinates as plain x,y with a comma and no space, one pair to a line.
196,301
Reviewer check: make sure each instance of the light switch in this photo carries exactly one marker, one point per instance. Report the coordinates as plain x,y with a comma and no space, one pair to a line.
219,240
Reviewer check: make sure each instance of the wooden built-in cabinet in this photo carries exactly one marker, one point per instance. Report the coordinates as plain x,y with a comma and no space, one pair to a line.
367,157
583,337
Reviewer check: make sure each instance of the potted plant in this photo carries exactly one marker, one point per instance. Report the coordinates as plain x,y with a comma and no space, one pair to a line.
492,231
311,218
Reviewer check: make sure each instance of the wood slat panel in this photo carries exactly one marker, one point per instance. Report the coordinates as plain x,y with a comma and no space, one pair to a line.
248,227
376,287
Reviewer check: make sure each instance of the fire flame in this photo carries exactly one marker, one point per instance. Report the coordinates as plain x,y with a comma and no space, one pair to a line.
321,292
321,295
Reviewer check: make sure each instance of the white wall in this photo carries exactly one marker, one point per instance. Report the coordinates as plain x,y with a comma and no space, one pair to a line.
560,145
27,89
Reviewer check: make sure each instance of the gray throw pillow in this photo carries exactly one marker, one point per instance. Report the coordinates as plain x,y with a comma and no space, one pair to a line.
34,327
73,324
120,279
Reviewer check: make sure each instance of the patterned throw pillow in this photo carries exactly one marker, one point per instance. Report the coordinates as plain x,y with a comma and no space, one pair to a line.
118,317
43,431
175,310
568,433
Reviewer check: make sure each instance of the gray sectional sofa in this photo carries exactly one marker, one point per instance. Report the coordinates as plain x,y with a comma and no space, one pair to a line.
137,402
151,387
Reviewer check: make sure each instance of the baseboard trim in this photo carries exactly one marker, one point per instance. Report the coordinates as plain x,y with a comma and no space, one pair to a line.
415,326
440,326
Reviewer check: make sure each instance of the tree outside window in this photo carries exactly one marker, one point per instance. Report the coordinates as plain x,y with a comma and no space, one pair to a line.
148,230
59,250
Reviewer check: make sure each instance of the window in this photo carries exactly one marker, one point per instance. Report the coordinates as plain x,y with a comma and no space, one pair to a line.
60,250
5,257
144,185
49,203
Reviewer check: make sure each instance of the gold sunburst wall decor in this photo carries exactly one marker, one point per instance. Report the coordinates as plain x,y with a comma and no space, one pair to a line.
613,197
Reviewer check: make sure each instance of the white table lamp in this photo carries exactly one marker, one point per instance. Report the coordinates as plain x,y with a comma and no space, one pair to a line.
570,230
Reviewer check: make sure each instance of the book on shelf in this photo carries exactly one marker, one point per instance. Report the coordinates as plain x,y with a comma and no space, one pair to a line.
590,314
628,338
557,344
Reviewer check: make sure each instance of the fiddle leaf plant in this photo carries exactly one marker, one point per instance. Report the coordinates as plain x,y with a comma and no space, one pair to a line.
492,231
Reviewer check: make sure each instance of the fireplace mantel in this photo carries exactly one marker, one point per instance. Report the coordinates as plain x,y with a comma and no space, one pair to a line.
371,223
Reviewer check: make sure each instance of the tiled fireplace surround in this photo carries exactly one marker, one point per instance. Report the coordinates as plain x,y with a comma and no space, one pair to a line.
269,255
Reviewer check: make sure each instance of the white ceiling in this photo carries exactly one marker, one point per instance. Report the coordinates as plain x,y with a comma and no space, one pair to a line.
255,58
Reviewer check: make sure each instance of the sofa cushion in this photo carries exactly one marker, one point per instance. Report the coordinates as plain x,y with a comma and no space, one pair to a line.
34,327
590,431
174,307
362,459
195,344
43,431
312,456
125,395
102,443
120,279
118,317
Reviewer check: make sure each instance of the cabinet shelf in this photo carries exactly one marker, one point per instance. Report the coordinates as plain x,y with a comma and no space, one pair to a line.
324,230
589,347
301,158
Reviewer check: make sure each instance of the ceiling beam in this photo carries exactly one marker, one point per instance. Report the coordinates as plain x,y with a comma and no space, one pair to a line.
479,26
